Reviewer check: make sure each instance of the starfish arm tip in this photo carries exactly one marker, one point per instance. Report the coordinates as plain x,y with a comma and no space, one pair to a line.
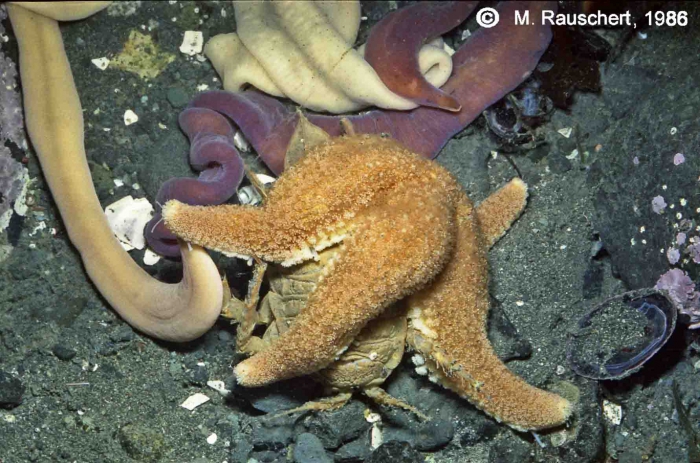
566,408
244,374
555,413
170,209
520,184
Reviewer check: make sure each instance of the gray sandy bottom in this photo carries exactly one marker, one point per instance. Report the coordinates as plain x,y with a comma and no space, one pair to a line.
93,390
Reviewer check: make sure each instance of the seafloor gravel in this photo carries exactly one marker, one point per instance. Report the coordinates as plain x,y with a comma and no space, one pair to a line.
78,384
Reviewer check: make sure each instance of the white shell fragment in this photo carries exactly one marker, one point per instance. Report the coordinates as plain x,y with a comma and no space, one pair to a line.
240,142
612,412
211,440
249,196
20,206
150,257
376,437
192,43
101,63
194,401
130,117
219,386
266,179
565,132
127,219
372,417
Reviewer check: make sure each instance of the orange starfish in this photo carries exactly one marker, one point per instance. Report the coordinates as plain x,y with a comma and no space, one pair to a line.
407,230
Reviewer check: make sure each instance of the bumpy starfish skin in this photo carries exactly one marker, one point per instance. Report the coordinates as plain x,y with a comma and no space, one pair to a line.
448,321
402,219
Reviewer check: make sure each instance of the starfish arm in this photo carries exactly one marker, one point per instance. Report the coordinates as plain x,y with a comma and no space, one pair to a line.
498,212
312,206
447,325
394,250
230,229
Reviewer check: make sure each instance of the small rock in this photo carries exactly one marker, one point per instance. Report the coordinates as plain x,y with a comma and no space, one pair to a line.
268,435
177,97
507,342
397,452
619,440
424,436
241,450
398,434
225,337
482,431
108,348
354,452
11,390
63,352
309,449
593,279
558,164
198,376
142,442
401,425
280,396
122,334
630,456
65,313
271,404
513,448
268,456
334,428
433,434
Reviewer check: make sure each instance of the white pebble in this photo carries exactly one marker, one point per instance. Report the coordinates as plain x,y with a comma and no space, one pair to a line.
130,117
101,63
192,43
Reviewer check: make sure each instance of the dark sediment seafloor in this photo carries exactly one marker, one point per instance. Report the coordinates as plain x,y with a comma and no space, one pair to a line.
93,390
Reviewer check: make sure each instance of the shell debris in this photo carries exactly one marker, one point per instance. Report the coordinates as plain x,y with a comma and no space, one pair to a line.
130,117
127,219
219,386
612,412
101,63
194,401
192,43
565,132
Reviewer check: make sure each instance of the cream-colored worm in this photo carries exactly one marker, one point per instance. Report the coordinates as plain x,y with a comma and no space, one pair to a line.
174,312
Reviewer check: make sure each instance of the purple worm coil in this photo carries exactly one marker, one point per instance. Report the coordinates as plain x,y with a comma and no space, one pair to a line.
221,168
